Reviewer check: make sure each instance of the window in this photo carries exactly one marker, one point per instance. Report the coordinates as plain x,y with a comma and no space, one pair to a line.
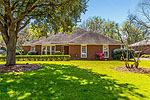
83,51
43,50
52,50
106,51
32,48
48,50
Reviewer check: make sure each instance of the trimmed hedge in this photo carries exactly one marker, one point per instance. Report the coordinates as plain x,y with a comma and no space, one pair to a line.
117,54
32,53
39,58
18,53
145,56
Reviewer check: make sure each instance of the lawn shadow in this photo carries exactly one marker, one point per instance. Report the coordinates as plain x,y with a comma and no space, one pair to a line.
63,82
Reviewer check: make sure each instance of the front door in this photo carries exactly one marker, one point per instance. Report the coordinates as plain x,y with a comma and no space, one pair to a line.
66,50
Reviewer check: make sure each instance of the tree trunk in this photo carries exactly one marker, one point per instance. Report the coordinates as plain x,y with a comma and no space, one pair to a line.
11,50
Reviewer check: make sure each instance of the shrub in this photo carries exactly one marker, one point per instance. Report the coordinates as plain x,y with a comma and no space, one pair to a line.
18,53
136,53
24,53
145,56
117,54
39,58
32,53
3,48
58,53
99,55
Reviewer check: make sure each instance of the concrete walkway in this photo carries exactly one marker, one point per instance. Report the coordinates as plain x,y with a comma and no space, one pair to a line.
148,59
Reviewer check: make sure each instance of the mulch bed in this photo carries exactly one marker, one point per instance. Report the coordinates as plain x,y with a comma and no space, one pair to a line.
134,70
19,68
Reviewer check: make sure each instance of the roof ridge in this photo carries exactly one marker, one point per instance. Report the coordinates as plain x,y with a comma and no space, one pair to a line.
78,36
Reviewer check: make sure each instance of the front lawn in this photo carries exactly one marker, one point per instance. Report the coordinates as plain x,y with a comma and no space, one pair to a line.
76,80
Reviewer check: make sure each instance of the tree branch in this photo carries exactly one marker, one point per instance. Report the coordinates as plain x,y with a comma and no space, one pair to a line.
4,32
2,19
25,24
30,8
14,5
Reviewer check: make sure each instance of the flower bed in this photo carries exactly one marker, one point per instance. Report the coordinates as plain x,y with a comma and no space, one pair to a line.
99,55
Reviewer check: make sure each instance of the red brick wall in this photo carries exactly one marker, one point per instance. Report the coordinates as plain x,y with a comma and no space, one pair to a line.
144,49
58,47
91,49
38,49
111,48
26,49
75,51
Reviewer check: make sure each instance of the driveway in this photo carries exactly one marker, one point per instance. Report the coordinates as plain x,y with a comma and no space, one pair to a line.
145,59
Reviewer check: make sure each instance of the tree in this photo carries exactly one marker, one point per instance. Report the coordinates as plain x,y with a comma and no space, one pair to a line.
131,33
110,29
97,24
141,17
94,24
2,44
48,15
24,36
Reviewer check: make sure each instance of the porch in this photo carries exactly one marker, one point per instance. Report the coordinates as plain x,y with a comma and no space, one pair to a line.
54,50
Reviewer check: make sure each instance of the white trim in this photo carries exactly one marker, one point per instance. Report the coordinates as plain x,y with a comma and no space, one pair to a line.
107,50
86,51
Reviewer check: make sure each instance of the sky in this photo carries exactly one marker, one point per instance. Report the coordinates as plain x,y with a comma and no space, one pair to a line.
114,10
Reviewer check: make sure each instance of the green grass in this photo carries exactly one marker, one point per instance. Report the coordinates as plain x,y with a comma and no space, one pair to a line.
76,80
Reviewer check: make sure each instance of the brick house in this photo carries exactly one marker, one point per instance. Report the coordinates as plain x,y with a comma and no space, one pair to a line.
143,46
80,45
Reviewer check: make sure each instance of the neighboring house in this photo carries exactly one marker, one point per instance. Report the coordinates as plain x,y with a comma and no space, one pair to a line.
80,45
143,46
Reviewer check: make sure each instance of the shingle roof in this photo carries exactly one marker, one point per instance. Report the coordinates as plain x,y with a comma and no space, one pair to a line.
141,43
79,36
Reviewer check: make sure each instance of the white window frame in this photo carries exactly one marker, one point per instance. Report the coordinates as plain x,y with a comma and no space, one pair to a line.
32,47
46,49
42,49
51,49
105,50
81,51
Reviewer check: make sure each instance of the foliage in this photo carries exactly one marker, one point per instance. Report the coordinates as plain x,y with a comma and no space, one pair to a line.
76,80
132,33
117,54
3,48
39,58
145,56
58,53
100,55
141,17
2,43
24,36
97,24
138,53
18,53
142,14
32,53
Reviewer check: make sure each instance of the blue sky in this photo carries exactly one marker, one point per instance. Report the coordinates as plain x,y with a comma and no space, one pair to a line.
114,10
